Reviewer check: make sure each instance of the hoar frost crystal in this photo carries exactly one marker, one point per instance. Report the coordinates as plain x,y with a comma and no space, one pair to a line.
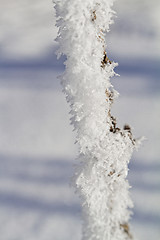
104,149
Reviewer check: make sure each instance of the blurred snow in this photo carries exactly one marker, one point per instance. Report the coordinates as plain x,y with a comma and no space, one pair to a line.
136,32
27,28
33,121
37,148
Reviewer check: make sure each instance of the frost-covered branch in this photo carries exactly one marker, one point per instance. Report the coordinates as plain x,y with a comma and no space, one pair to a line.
104,149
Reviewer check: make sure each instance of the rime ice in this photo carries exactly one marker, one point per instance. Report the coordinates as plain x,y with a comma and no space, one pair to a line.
104,149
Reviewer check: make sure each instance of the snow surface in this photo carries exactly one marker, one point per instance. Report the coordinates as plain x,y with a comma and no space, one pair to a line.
36,144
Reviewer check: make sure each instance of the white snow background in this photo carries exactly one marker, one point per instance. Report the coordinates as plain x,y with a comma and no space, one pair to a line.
37,148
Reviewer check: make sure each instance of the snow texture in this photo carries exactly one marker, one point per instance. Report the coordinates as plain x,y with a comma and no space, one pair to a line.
104,149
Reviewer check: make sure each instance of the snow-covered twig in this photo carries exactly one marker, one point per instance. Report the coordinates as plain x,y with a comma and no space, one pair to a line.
104,149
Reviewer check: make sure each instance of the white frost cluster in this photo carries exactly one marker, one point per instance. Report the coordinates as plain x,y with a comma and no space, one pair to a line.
104,149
